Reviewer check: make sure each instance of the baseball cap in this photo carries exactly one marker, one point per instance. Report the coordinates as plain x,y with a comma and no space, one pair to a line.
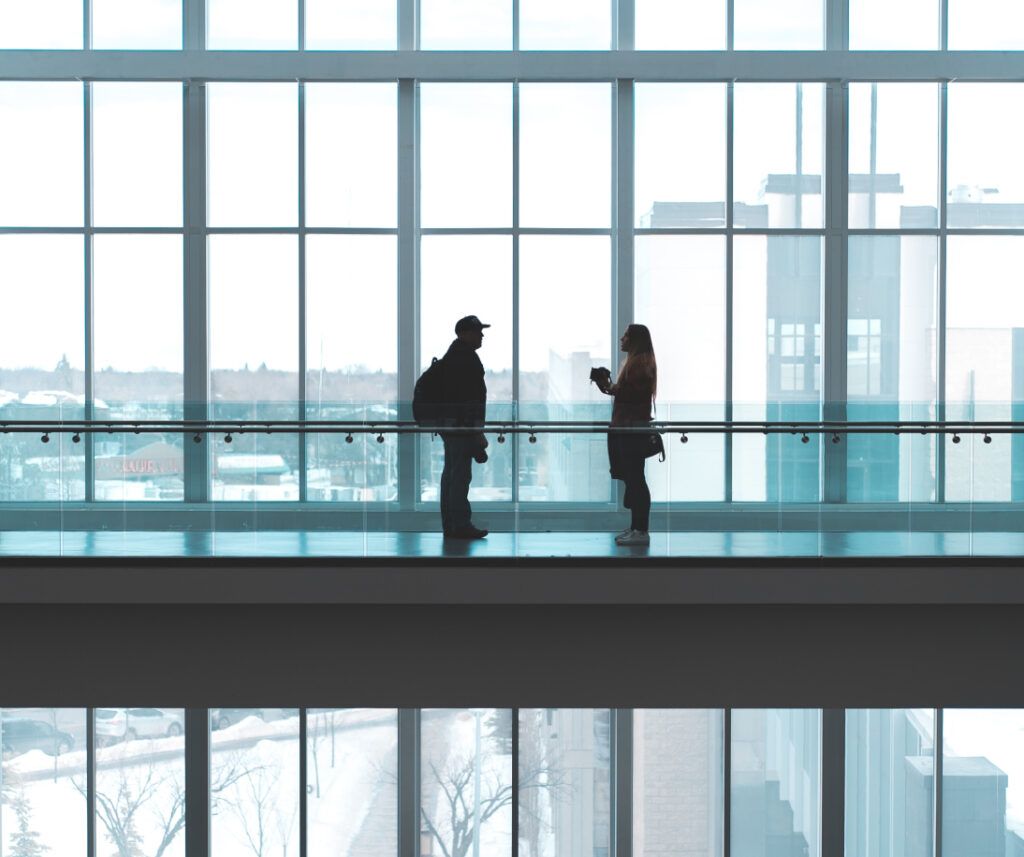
470,322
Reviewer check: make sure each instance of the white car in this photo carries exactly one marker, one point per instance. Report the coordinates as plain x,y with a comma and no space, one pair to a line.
127,724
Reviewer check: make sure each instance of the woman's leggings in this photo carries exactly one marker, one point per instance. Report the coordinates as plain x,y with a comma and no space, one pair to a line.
638,495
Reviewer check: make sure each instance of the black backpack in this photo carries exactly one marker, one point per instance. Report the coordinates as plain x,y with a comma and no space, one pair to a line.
428,395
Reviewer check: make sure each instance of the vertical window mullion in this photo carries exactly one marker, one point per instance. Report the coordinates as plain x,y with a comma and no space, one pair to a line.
937,767
197,782
408,283
303,779
940,337
408,25
834,332
408,782
515,282
623,204
729,239
624,18
622,773
90,447
196,392
302,437
90,782
727,776
833,780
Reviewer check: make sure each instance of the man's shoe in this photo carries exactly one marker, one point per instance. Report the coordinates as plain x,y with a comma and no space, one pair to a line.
634,538
469,532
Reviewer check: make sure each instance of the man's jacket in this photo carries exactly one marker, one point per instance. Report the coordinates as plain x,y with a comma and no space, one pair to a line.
465,393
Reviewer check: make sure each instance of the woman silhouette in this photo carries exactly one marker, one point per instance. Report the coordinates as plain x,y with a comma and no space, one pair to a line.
634,390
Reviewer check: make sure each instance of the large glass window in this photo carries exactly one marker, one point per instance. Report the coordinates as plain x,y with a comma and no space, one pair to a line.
777,350
784,25
466,782
985,176
252,25
254,353
668,25
469,275
565,155
982,781
776,781
52,24
351,25
467,25
894,155
351,371
140,780
351,177
136,24
680,155
137,279
137,154
889,781
42,363
891,364
352,781
564,331
564,782
564,25
984,364
466,154
680,296
910,25
981,25
254,781
41,154
677,783
42,781
779,155
253,161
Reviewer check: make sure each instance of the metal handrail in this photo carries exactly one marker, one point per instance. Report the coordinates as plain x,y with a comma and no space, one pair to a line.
501,428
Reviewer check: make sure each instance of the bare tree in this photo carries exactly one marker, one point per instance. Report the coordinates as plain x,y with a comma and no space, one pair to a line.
138,790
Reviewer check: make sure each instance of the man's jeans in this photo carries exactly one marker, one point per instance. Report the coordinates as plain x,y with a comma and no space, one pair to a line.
455,479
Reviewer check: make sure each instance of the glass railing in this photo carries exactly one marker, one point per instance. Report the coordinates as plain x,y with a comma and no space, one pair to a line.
365,480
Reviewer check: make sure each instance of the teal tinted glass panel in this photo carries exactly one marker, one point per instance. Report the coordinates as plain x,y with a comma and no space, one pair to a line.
889,784
777,352
776,782
891,365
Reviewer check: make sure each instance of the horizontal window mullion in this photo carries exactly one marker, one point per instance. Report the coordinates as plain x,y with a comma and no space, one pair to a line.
512,65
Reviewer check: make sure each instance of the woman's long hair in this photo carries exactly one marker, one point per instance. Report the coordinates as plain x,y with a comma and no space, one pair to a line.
640,362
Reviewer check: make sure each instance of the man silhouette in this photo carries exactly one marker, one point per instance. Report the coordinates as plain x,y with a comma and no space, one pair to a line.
465,398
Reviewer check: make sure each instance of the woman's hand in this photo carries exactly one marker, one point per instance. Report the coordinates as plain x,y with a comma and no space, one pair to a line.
602,376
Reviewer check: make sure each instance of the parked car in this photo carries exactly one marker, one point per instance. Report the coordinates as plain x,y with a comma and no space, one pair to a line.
20,734
127,724
222,718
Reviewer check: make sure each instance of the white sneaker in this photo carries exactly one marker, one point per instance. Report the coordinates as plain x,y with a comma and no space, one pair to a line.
634,538
623,534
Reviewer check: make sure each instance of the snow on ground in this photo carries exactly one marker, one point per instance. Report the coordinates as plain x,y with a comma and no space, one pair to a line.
365,763
254,773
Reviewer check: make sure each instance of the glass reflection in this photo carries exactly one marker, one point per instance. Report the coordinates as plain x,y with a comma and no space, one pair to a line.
466,782
254,781
677,782
776,783
42,782
352,781
889,788
564,782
